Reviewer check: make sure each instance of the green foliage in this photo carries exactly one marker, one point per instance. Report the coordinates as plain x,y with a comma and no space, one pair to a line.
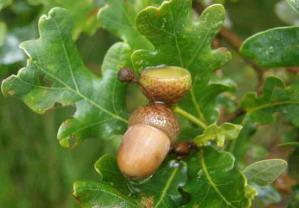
216,182
180,41
83,13
273,48
62,78
265,172
123,24
115,190
154,33
276,97
218,133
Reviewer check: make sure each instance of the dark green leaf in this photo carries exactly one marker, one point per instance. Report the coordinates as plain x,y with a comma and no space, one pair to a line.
218,133
108,169
276,97
180,41
56,74
162,188
153,191
215,181
111,191
276,47
93,194
123,24
265,172
240,145
83,12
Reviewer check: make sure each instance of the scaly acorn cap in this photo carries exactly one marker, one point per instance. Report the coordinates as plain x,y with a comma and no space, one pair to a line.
165,84
158,116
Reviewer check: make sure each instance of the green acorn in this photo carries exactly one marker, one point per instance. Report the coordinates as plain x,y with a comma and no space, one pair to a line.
165,84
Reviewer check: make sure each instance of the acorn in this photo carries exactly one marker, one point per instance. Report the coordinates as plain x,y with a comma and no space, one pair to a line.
152,130
165,84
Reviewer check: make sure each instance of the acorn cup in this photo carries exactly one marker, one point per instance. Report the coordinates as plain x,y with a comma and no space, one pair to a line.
153,128
165,84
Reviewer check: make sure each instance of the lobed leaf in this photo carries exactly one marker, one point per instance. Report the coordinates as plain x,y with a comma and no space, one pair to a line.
181,41
55,74
218,133
215,181
165,193
276,97
123,24
277,47
83,13
94,194
265,172
151,192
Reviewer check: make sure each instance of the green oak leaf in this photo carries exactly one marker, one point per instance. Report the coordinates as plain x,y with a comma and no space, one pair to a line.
215,181
162,190
264,172
294,4
94,194
277,47
181,41
276,97
55,74
107,168
113,190
205,103
239,147
218,133
123,24
152,191
84,13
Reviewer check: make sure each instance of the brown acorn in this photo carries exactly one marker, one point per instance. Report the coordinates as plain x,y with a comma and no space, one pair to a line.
165,84
152,130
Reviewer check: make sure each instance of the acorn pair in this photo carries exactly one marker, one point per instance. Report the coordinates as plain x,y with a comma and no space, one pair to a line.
153,128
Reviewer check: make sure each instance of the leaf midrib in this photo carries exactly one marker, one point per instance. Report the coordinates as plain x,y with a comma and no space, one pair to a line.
76,90
166,187
101,189
269,105
210,180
